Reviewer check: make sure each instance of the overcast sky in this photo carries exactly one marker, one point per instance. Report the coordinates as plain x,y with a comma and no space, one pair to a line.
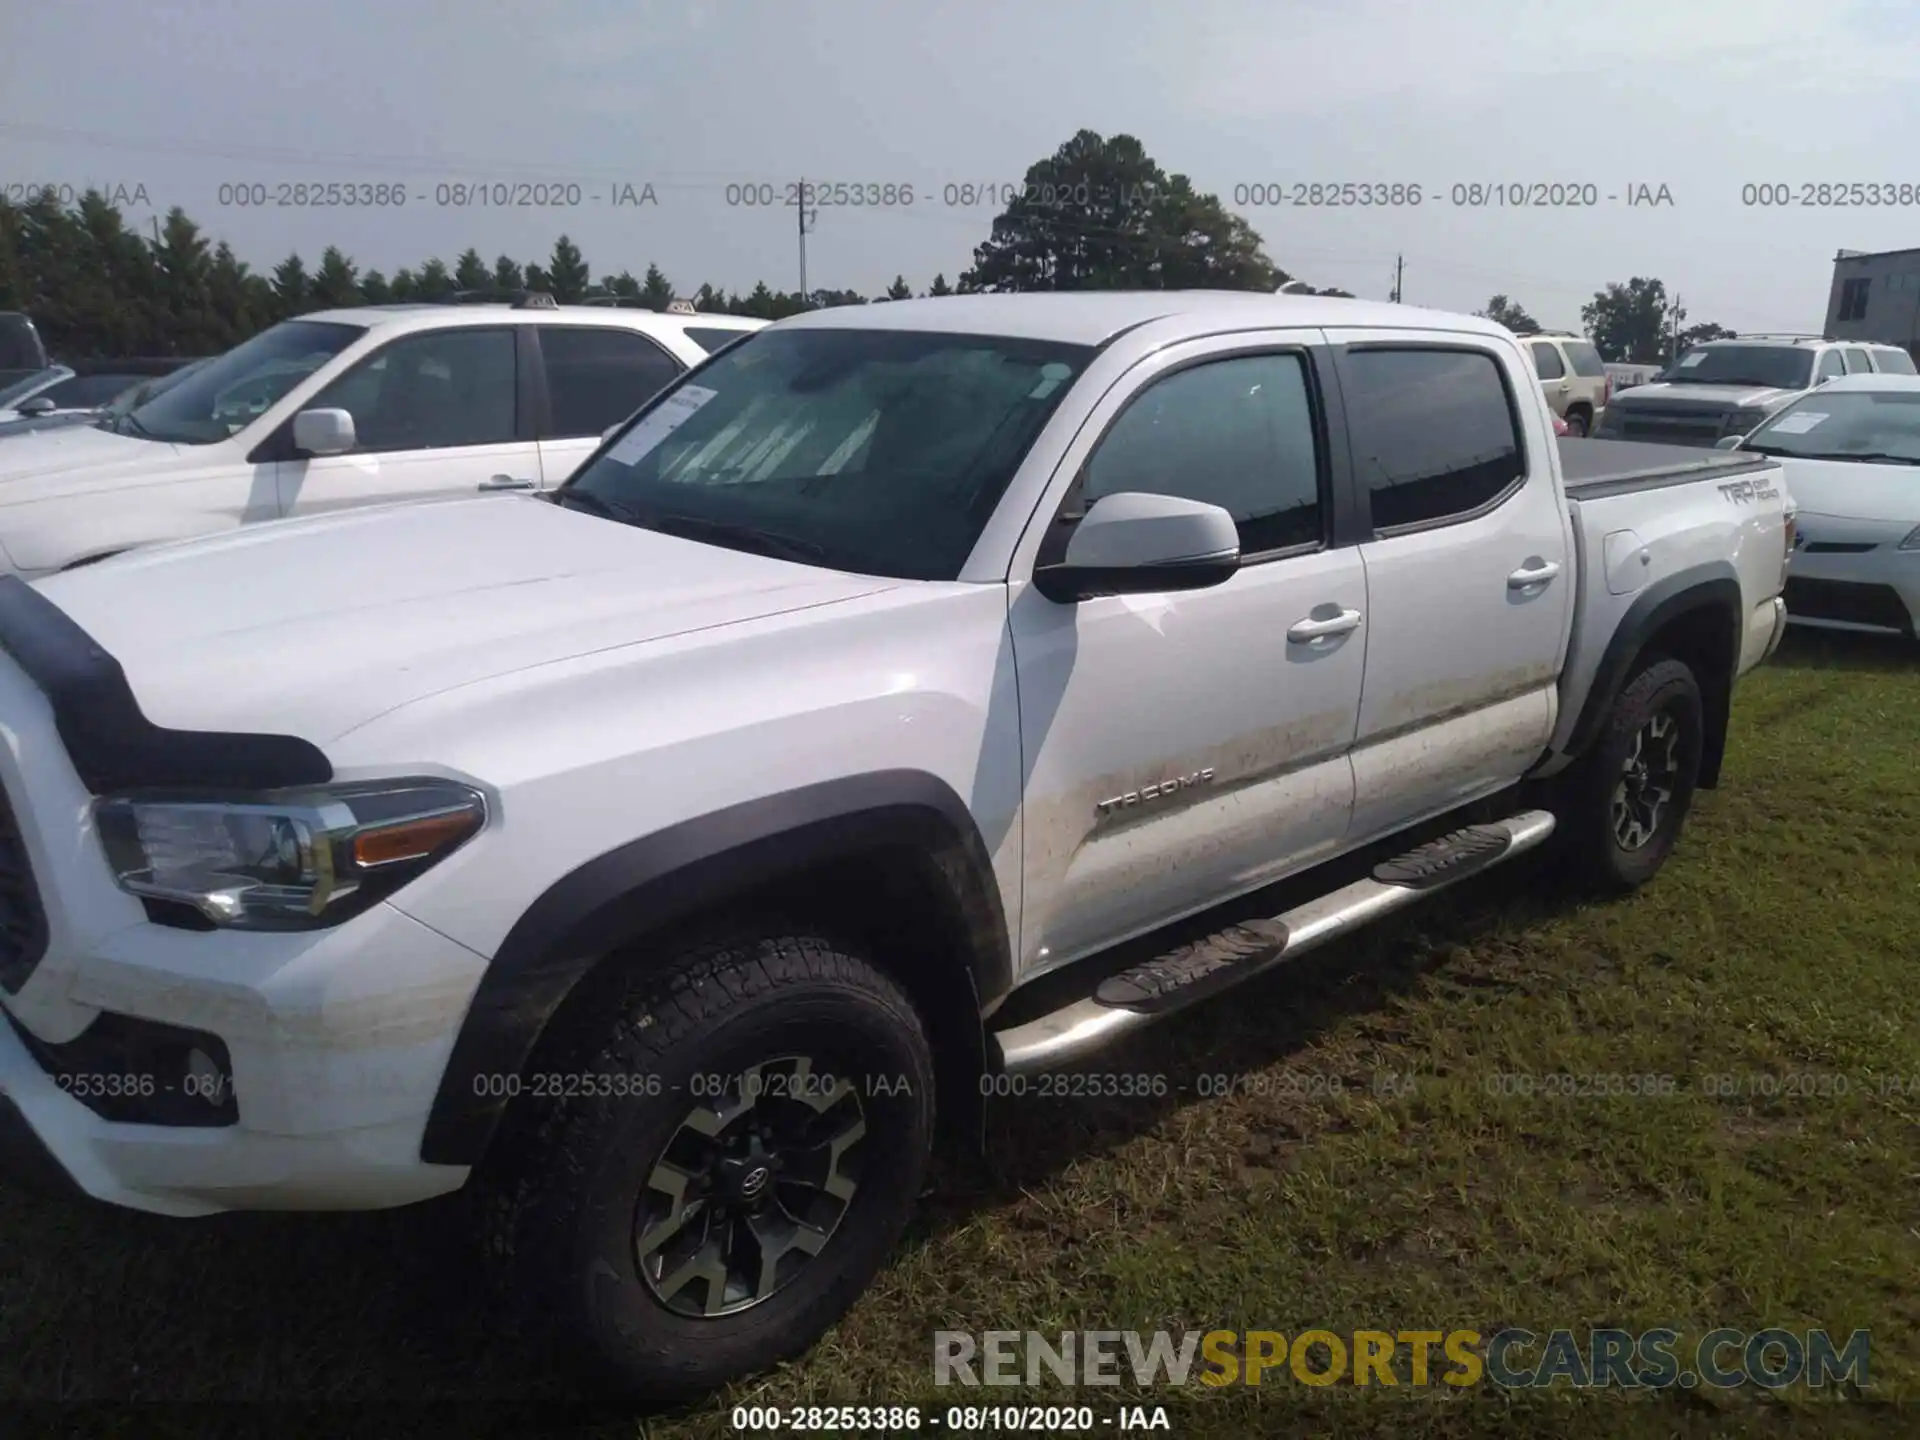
1701,96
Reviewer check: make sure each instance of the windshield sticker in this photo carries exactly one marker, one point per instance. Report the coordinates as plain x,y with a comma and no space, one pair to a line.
1698,357
668,416
1050,378
1798,423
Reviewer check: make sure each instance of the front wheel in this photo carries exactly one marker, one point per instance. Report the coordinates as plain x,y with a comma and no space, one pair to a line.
1628,798
751,1131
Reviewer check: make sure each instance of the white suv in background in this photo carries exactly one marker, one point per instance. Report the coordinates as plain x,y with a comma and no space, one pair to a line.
345,408
1572,376
1723,388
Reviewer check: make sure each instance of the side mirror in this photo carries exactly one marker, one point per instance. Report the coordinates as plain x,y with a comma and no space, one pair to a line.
39,405
1139,544
1728,442
323,432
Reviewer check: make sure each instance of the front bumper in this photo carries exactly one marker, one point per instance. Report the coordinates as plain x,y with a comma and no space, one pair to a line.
1865,583
335,1040
336,1050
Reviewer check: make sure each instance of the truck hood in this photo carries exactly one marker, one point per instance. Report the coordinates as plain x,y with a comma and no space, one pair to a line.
1854,489
80,457
1728,397
313,627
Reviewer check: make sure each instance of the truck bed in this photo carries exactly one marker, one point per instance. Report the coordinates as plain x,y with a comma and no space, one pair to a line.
1592,468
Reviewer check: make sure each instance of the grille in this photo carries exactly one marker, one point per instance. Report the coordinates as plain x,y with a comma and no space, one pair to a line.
23,922
1672,431
1854,604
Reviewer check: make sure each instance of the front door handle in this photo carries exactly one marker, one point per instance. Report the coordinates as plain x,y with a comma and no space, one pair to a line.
1305,632
1528,577
507,482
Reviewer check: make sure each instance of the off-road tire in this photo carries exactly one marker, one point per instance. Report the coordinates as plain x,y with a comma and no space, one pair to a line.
1597,856
558,1214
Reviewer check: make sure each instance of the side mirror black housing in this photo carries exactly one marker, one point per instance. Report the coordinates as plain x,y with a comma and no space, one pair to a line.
1135,543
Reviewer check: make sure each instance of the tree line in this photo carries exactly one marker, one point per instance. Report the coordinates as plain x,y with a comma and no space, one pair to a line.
1097,214
1634,323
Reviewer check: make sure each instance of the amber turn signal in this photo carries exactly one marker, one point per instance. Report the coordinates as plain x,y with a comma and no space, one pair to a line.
413,839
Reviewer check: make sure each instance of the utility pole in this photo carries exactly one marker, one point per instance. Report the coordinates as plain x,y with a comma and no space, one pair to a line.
1399,269
1673,329
802,199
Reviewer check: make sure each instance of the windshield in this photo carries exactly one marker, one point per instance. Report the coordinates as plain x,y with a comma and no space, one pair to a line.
1772,367
877,451
19,390
225,394
1845,425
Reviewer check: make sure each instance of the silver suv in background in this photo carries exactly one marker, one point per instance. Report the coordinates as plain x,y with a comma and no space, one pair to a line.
1572,376
1728,387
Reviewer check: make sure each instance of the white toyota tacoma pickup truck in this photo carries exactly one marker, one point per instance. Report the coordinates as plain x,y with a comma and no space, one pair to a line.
659,854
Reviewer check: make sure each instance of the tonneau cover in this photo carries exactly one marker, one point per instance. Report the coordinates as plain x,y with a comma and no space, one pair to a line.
1613,465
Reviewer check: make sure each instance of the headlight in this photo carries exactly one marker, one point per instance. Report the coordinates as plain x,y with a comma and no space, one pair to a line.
292,861
1912,542
1741,422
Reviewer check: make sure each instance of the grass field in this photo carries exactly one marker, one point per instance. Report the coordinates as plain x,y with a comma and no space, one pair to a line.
1774,958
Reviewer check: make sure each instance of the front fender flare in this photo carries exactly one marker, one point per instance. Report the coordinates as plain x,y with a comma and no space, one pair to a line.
675,873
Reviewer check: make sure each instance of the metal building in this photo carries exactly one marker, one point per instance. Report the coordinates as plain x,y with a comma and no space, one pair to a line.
1876,296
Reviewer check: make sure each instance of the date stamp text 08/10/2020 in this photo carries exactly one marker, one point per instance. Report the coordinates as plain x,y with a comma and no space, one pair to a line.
640,194
894,195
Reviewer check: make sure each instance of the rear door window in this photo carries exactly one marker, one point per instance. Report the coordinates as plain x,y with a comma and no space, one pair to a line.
1434,433
599,375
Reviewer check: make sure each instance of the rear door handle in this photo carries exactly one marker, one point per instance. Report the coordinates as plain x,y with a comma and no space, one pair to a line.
1526,579
507,482
1305,632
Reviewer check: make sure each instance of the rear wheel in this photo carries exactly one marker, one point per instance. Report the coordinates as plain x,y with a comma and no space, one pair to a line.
754,1129
1579,422
1627,799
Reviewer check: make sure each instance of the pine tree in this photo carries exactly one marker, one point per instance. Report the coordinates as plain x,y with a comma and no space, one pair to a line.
433,282
292,289
470,271
337,282
657,291
567,272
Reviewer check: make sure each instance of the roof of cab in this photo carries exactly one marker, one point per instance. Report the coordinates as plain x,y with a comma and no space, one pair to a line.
1094,317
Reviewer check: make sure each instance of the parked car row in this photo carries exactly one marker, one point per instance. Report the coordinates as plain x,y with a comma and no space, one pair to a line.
1842,416
1724,388
896,704
1851,453
340,409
